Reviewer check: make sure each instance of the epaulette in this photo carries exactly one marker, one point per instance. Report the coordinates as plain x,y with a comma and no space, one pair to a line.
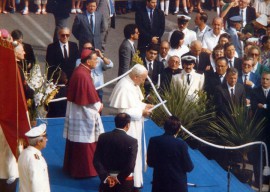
36,156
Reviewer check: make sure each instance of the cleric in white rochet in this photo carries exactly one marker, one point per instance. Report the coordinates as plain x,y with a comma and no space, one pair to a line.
33,169
127,98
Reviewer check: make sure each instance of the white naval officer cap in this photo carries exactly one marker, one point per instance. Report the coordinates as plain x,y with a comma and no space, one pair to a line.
36,131
183,17
188,59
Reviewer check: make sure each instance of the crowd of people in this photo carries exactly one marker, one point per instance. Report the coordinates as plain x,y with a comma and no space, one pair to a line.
229,60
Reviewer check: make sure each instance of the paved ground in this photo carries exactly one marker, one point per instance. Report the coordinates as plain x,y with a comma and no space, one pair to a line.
38,31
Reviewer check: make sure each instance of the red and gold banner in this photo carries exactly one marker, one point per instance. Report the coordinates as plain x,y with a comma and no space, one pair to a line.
13,109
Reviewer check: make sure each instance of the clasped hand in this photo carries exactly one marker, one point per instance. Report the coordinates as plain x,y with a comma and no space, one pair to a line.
112,181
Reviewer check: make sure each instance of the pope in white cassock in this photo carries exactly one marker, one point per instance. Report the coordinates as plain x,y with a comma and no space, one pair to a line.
127,98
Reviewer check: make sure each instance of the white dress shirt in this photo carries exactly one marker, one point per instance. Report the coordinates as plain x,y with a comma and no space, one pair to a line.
62,48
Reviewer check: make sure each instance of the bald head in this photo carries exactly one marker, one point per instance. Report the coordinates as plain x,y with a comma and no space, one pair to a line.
196,47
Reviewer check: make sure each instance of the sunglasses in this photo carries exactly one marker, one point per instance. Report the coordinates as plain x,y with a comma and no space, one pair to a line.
254,54
65,35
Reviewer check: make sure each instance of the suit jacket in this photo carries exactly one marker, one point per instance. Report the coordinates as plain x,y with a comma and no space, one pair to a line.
250,13
147,31
223,100
61,8
116,152
29,54
55,58
204,61
212,80
126,52
166,78
257,96
82,31
237,63
236,41
158,68
254,78
171,161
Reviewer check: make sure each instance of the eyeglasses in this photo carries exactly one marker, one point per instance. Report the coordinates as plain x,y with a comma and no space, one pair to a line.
248,65
254,54
90,48
65,35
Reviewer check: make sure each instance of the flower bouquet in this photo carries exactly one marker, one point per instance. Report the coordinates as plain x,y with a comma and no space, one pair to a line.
44,91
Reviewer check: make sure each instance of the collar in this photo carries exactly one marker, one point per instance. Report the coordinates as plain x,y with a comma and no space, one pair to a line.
131,42
255,67
62,44
34,150
88,14
148,9
161,58
243,74
120,129
229,87
147,62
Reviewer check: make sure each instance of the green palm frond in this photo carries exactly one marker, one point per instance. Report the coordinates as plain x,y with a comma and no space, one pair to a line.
194,114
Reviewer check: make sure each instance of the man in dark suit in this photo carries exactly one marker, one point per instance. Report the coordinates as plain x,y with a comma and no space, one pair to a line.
62,53
170,159
247,78
169,72
260,105
127,48
229,95
115,157
213,79
244,10
154,67
203,63
151,23
229,51
90,26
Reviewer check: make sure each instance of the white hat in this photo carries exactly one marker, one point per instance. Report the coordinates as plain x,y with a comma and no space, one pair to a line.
262,19
188,59
183,17
36,131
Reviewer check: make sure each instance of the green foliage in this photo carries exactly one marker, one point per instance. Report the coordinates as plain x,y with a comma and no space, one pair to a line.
194,113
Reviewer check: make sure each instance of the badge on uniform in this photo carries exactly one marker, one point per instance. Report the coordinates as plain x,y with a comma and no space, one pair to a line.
36,156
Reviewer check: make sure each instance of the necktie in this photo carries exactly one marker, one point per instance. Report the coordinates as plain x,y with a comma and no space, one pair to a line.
92,22
150,70
220,77
164,62
151,16
188,79
230,61
245,78
266,93
65,52
232,94
242,14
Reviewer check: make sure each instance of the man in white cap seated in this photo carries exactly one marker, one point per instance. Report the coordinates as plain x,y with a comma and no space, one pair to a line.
188,78
256,28
33,170
183,22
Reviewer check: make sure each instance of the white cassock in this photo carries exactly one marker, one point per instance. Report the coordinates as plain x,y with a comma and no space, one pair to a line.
8,163
196,83
127,98
33,171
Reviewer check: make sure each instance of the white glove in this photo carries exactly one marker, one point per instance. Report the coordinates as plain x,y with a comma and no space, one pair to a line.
11,180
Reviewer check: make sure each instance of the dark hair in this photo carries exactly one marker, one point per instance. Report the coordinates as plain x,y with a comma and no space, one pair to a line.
129,30
222,59
225,35
89,56
175,38
16,34
152,46
265,39
228,45
232,71
218,47
172,125
203,17
90,1
121,120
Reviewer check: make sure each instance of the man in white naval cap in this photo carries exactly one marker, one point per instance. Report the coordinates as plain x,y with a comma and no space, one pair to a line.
189,78
33,170
183,21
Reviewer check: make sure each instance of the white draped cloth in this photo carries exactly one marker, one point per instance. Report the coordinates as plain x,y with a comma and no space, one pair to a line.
127,97
8,163
83,123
